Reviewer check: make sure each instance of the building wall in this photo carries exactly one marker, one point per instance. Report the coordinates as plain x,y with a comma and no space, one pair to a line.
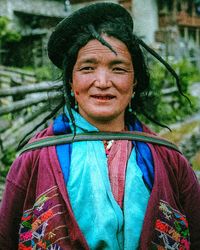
38,7
145,15
6,8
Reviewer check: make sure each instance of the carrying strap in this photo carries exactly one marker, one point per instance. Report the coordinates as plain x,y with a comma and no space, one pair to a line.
97,136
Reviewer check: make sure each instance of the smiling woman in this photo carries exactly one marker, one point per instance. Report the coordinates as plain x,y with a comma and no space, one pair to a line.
97,178
102,82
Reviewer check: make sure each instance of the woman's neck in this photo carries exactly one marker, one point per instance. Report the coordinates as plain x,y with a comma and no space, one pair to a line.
107,125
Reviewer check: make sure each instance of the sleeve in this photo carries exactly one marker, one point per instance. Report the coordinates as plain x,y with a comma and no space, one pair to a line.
12,203
190,200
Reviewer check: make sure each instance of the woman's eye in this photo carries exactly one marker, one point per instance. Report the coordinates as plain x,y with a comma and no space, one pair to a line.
119,70
87,69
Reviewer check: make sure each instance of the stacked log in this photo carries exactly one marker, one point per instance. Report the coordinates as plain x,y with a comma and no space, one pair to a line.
29,111
23,104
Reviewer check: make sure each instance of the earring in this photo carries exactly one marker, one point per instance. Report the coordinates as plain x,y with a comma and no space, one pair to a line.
130,107
75,102
76,105
72,93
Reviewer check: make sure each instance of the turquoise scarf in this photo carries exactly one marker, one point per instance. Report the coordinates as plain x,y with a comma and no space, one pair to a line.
103,223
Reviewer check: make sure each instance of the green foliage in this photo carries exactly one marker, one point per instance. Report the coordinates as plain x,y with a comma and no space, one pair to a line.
196,161
46,73
188,73
6,33
7,160
172,107
43,73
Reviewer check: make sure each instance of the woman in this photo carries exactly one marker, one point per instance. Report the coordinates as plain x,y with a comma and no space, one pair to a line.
91,194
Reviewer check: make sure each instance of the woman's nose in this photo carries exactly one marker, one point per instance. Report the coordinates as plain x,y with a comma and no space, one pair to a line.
102,79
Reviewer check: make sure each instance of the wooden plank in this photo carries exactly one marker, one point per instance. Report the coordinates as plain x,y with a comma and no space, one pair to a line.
33,88
19,105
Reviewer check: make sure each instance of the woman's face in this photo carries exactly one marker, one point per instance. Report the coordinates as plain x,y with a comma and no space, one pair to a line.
102,81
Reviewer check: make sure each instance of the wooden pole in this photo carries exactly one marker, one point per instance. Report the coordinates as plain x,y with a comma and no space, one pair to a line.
19,105
31,88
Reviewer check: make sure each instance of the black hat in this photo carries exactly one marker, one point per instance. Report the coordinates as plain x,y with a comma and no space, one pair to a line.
59,41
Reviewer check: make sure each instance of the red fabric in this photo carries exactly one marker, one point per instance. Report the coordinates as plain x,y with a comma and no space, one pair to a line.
35,172
117,162
32,175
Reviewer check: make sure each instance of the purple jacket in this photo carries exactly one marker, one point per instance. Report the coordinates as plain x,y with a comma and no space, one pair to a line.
36,204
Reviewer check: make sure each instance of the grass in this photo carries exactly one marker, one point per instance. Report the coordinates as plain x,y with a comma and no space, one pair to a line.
196,161
177,136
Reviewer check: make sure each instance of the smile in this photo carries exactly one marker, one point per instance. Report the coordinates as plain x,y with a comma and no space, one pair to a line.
103,97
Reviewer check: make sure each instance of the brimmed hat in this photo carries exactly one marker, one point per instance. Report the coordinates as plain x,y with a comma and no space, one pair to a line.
59,41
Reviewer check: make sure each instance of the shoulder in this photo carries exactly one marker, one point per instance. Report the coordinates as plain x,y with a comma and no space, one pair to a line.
176,167
171,158
25,163
173,162
146,129
45,132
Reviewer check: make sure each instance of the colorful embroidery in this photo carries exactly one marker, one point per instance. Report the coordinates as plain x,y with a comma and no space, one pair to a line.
34,232
172,230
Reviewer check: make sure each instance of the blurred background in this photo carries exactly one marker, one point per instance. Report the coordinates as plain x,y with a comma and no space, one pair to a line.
29,83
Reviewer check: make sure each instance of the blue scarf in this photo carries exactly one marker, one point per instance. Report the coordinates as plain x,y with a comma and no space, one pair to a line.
144,158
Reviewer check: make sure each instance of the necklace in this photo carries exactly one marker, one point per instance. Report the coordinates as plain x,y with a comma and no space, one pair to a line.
107,146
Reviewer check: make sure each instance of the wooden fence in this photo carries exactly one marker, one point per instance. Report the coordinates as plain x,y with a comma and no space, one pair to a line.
24,103
18,117
10,76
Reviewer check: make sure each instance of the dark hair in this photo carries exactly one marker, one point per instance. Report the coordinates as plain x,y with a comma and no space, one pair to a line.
115,28
119,30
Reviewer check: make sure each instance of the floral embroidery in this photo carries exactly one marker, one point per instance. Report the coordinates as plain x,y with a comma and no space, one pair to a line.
171,229
34,232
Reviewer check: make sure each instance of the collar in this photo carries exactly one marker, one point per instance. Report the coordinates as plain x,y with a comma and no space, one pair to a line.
82,125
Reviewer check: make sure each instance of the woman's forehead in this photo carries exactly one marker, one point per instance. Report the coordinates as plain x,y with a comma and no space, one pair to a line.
95,47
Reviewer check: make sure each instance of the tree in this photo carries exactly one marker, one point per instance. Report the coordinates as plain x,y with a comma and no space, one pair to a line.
7,34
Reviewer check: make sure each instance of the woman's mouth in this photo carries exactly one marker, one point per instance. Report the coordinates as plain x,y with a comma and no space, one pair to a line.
103,97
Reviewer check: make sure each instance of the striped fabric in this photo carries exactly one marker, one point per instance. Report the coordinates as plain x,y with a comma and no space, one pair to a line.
117,162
